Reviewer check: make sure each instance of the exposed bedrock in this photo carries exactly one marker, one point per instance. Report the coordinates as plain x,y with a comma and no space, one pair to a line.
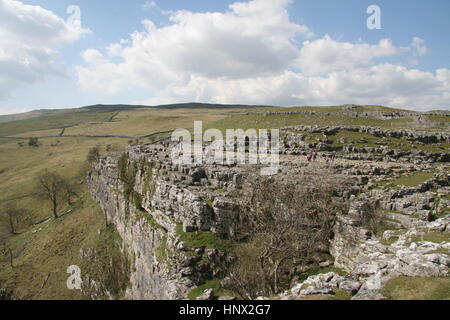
176,221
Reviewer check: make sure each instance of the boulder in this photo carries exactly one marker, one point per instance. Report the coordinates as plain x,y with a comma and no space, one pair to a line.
208,294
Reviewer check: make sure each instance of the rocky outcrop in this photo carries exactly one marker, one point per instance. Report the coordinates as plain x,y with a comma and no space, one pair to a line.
370,263
323,284
176,221
372,260
368,260
364,112
296,143
166,214
410,135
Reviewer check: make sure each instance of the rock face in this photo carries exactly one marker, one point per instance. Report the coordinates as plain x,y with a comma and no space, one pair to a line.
142,237
176,220
153,204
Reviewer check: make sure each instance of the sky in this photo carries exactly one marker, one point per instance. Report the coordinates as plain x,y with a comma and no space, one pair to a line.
71,53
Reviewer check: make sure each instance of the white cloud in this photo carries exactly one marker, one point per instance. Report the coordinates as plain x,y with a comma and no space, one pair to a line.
384,84
149,5
326,55
252,39
95,57
420,47
30,37
251,54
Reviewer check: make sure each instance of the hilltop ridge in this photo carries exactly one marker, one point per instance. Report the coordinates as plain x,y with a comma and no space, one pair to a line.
189,105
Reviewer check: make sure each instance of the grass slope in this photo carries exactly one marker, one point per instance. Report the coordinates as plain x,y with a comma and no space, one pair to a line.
417,288
42,253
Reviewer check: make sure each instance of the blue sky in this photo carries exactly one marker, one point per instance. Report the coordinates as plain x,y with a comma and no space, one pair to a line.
281,52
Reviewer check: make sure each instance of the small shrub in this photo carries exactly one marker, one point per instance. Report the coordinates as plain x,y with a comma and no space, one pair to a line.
33,142
137,200
127,174
373,219
93,155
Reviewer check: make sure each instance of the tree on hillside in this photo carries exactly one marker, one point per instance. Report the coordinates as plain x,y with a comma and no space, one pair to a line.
93,154
51,186
70,190
12,218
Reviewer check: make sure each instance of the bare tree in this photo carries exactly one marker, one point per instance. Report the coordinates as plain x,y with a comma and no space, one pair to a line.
372,217
286,228
52,187
12,216
6,251
70,190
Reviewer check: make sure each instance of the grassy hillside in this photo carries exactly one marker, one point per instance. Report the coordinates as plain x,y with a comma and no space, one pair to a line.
42,253
57,119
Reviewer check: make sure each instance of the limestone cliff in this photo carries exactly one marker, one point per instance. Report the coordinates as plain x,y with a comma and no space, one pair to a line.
176,221
174,229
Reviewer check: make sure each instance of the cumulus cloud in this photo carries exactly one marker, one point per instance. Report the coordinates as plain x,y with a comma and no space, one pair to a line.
252,39
326,55
30,38
253,53
384,84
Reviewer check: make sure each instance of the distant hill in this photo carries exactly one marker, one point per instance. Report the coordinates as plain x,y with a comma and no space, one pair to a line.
98,108
112,107
195,105
189,105
25,115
